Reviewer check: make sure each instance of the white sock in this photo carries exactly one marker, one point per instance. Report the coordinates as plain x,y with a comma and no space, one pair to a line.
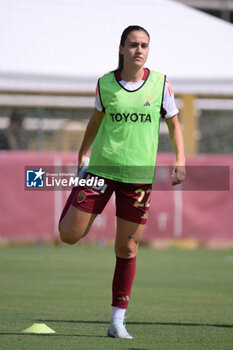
117,312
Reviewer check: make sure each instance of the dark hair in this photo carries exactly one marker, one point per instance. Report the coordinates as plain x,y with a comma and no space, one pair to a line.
124,36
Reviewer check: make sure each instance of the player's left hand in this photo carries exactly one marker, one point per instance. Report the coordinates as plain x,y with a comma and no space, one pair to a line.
178,173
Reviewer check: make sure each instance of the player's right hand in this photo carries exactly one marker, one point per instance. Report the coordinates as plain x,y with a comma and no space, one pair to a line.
81,160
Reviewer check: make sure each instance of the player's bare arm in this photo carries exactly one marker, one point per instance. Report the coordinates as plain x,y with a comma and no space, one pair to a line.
177,141
89,136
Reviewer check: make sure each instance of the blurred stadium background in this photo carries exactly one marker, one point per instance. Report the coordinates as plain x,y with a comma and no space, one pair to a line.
52,53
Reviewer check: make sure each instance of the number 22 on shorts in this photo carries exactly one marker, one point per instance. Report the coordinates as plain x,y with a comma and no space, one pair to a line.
144,195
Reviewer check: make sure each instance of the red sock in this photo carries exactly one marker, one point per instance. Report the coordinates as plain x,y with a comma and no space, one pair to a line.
123,281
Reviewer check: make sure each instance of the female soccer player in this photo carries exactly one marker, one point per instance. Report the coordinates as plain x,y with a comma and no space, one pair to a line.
123,132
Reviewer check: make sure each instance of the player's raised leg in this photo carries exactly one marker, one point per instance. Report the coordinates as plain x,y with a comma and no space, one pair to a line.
81,209
75,225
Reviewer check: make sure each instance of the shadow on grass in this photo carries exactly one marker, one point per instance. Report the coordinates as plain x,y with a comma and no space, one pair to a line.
104,322
54,335
148,323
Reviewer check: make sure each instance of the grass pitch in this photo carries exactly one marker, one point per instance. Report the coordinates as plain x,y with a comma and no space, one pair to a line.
180,299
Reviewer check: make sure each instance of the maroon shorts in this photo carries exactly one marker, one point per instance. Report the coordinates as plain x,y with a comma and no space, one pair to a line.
132,200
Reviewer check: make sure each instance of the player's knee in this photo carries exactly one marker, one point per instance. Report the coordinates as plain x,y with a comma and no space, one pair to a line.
127,251
69,236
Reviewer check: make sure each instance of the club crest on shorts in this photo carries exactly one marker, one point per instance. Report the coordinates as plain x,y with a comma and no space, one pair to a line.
81,197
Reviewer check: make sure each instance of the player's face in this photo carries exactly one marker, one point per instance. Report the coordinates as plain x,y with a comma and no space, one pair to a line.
136,48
